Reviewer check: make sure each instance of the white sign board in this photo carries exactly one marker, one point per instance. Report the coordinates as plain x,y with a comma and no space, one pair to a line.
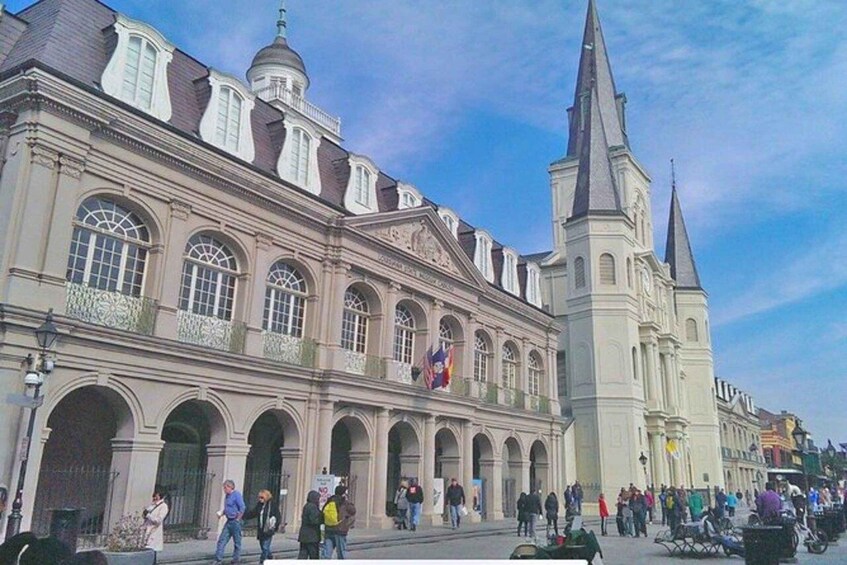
325,485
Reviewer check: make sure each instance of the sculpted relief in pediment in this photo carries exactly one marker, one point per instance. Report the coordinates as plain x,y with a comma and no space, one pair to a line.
418,239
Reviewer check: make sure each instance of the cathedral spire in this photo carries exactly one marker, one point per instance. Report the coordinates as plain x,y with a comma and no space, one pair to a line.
594,69
596,190
281,23
678,248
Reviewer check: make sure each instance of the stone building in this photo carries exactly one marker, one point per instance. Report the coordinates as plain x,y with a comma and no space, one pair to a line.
241,297
741,439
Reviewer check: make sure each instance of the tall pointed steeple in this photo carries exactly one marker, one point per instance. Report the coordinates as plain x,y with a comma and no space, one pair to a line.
596,190
594,69
678,248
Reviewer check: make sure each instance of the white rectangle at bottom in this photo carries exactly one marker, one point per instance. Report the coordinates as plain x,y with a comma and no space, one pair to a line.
425,561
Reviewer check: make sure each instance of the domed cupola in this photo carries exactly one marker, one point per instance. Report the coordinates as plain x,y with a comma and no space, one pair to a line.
278,67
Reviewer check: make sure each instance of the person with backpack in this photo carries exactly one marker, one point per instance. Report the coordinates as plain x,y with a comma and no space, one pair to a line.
154,522
268,522
339,516
310,527
415,497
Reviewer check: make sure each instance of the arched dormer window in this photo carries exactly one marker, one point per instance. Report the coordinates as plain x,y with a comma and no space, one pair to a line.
509,278
285,300
226,121
404,334
691,333
535,374
450,219
579,272
481,354
109,248
137,72
408,196
607,269
360,197
482,255
354,322
298,160
509,372
208,278
533,284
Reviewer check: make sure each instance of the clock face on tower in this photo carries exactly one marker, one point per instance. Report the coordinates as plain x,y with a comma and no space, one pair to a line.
646,281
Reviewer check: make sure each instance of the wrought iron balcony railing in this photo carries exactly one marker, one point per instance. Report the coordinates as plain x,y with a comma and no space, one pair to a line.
363,364
111,309
289,349
210,332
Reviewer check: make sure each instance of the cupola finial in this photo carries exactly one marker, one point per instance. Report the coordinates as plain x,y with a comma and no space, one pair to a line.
281,23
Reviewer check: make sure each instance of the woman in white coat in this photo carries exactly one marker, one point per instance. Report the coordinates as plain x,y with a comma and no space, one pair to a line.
154,518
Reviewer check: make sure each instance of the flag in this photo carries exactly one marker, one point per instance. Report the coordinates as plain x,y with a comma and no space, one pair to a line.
448,366
439,369
427,368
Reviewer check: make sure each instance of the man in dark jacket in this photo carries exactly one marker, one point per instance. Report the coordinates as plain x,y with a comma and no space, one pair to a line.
533,511
310,527
415,497
268,524
335,534
455,497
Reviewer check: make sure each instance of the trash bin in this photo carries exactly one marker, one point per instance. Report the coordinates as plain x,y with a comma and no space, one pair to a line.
831,524
787,539
762,544
64,525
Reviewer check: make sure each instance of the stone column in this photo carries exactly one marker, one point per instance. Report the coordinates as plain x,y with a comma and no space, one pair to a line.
380,469
657,376
470,333
364,489
467,469
255,298
657,458
492,470
388,327
326,410
170,276
227,462
523,481
291,487
429,470
134,461
435,312
649,378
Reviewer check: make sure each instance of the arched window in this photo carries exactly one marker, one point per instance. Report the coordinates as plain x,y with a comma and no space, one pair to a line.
108,248
362,186
445,335
404,334
228,124
285,300
139,72
208,278
579,272
691,330
535,374
607,269
354,323
480,358
510,366
300,147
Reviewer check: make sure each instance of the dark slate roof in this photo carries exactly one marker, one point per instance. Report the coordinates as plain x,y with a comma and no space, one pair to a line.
595,71
279,53
11,29
596,189
678,249
536,257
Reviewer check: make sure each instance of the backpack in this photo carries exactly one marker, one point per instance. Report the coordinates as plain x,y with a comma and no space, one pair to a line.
331,516
669,502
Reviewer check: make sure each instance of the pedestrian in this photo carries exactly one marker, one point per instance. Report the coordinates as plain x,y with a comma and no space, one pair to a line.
401,504
639,513
522,519
455,497
695,505
339,515
577,497
674,512
533,511
628,521
604,514
551,509
568,501
682,495
731,503
415,497
309,535
268,522
720,504
619,504
233,510
768,505
154,519
651,503
662,496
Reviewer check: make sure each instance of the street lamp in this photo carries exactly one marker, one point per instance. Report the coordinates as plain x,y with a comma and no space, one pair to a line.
45,335
830,449
643,460
800,438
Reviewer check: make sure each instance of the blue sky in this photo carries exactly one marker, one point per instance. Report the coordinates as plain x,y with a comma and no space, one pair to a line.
466,100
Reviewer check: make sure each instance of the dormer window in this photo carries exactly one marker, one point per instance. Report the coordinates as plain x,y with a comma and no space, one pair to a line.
360,197
226,121
450,219
533,284
298,160
300,144
509,278
408,196
137,73
482,255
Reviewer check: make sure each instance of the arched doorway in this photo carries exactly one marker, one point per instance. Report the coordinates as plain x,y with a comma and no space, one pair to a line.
77,468
404,457
183,469
512,480
539,468
350,457
483,472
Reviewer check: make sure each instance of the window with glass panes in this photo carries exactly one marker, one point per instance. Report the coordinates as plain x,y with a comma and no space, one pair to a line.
228,128
300,147
534,374
509,366
363,185
208,278
285,300
139,72
354,322
480,358
109,248
404,334
445,335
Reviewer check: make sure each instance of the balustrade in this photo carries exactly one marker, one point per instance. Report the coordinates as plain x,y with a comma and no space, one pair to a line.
210,332
111,309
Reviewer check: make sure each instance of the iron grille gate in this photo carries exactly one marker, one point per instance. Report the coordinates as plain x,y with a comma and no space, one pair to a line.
274,481
510,498
189,503
83,487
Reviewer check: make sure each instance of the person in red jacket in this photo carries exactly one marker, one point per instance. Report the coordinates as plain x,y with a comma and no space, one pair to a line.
604,513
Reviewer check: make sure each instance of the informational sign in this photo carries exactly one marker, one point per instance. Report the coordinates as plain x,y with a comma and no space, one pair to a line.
325,485
477,496
438,496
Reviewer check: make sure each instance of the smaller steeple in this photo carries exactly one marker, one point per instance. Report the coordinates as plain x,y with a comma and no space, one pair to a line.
678,248
596,190
281,23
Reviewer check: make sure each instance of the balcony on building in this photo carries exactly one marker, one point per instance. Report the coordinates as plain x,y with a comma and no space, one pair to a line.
136,314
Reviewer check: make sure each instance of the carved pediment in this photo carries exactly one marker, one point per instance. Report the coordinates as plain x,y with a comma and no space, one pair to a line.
418,239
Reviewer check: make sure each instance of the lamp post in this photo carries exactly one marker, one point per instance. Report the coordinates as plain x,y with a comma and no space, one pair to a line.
45,335
643,460
800,438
